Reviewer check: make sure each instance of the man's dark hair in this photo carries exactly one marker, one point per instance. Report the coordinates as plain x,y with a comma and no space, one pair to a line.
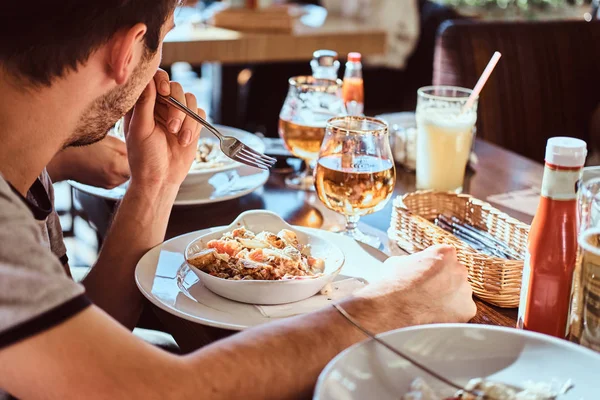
41,40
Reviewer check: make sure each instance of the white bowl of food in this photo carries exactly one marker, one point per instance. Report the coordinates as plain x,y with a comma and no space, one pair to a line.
261,259
210,159
478,357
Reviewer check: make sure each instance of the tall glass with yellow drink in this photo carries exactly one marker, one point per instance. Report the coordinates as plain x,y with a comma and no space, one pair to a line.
445,132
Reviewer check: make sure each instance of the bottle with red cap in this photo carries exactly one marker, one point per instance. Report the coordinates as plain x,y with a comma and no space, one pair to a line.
552,243
353,88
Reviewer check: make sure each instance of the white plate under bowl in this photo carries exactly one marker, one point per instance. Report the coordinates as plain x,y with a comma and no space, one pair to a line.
219,187
163,277
265,291
459,352
199,176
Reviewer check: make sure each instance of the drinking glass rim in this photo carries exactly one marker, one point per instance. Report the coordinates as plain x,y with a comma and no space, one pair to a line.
383,129
467,91
587,246
592,169
326,83
590,182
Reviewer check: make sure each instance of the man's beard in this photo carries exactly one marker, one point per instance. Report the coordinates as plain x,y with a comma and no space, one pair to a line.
105,111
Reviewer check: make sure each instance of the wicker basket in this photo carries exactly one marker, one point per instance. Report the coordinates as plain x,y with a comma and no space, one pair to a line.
495,280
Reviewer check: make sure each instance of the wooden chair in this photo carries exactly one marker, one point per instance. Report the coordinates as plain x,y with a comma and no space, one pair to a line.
546,84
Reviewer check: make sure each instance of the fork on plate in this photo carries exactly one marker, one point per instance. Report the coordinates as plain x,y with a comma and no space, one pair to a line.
475,393
230,146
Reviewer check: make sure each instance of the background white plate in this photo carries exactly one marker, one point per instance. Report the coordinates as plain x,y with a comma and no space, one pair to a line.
200,175
178,291
220,187
459,352
205,186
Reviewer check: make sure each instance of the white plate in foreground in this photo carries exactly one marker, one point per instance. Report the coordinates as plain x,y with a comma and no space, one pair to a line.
222,186
165,280
459,352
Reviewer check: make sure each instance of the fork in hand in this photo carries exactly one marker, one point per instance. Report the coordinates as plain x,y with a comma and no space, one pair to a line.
230,146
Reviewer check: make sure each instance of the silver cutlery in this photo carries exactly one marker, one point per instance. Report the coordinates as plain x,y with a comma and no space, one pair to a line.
230,146
476,238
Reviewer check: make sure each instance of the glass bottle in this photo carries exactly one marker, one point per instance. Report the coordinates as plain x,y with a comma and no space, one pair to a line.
353,89
552,244
325,64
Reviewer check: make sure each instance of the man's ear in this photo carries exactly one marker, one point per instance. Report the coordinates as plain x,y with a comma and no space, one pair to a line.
126,48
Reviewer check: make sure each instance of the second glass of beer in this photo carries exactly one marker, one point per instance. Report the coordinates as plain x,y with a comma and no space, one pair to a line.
310,103
445,131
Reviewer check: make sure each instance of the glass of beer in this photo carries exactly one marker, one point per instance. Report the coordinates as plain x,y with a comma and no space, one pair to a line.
445,132
584,317
355,173
309,104
589,204
590,173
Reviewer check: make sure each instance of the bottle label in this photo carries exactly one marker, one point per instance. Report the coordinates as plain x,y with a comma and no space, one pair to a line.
524,290
560,184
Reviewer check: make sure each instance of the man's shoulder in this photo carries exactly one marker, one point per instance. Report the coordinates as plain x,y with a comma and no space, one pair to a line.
6,191
35,292
20,233
11,204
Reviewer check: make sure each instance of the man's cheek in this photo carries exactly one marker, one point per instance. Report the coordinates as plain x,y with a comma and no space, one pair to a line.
157,57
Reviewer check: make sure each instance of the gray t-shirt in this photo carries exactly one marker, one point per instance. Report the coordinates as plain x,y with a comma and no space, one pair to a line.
41,196
35,292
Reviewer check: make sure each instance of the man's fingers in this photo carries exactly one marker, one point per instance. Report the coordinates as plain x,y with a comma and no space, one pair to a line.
143,112
116,144
394,261
189,126
463,301
127,122
201,113
163,85
162,110
123,168
120,166
175,117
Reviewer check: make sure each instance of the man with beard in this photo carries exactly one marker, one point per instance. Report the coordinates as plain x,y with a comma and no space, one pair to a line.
65,79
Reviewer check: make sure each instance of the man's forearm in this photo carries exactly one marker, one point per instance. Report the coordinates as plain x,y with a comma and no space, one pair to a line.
139,225
276,361
280,360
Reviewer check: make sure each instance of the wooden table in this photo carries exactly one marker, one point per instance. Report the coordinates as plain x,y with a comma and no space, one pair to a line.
227,52
498,171
197,44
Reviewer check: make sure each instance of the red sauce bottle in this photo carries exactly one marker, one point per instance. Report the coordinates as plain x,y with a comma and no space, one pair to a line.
353,87
552,243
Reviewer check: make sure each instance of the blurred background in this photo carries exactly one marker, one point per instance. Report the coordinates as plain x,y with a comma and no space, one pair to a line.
237,56
549,66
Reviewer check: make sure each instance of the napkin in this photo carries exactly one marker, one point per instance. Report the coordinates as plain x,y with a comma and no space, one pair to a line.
525,201
334,291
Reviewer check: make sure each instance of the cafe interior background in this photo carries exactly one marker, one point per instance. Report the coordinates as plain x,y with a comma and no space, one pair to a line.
238,65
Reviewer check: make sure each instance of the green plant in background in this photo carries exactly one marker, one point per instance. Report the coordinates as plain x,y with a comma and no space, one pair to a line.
514,5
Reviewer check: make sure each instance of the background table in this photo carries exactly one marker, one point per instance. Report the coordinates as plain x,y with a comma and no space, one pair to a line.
197,44
225,53
497,171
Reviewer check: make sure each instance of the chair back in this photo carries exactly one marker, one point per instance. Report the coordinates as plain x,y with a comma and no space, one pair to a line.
546,84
